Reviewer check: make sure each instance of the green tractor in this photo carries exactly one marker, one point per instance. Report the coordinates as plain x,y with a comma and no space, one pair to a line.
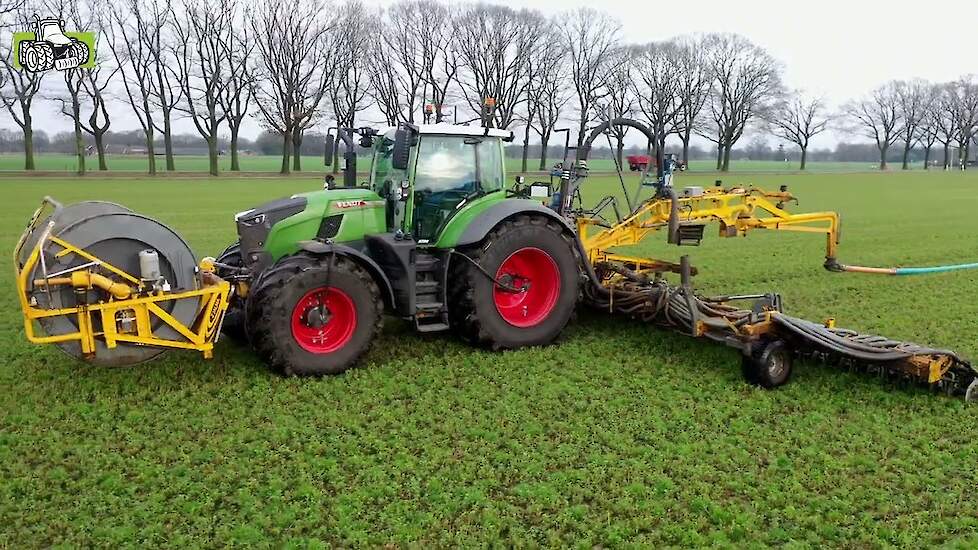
432,237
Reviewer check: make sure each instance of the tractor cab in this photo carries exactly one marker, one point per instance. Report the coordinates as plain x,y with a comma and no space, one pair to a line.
428,175
51,30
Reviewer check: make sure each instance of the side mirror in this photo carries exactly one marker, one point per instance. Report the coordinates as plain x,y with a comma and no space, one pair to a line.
401,155
330,146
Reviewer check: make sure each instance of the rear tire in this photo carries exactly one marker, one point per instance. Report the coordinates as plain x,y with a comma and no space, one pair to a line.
302,326
769,365
530,251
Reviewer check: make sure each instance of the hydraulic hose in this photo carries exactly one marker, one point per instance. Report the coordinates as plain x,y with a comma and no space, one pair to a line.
904,270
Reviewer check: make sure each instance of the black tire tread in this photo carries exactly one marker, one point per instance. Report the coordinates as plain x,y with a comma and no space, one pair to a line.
266,310
463,275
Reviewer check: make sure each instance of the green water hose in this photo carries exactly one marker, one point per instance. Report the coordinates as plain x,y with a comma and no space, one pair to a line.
904,270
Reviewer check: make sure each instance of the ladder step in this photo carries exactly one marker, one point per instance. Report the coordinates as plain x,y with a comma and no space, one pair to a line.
429,306
425,285
432,327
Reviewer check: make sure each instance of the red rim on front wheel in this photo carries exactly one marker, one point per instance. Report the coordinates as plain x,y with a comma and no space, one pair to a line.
534,271
323,320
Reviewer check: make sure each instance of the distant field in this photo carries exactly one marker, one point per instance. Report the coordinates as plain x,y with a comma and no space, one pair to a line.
620,435
269,163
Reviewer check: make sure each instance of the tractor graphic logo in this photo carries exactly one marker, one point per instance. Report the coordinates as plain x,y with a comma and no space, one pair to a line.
47,46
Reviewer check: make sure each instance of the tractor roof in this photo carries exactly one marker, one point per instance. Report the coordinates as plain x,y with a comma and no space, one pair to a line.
455,130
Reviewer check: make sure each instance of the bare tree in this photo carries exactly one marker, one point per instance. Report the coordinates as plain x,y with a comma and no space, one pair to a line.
201,33
348,95
551,96
440,55
546,95
397,62
81,17
238,90
798,119
746,81
878,116
130,37
944,122
18,88
929,122
913,111
695,77
294,63
963,100
619,96
589,36
660,93
494,45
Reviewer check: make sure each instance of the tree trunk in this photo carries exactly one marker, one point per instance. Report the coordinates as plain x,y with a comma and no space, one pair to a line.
79,142
286,151
212,156
660,155
581,128
947,156
526,147
927,157
804,157
297,151
719,157
883,151
965,153
726,157
906,157
151,151
168,141
28,145
619,148
544,144
100,147
336,150
235,166
686,138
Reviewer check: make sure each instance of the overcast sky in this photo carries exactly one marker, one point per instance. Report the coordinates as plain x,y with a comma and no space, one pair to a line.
839,49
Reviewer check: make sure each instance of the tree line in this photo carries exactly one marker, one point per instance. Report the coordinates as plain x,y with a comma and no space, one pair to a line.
298,67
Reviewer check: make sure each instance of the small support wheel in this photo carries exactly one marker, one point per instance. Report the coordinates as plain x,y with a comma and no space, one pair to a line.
769,364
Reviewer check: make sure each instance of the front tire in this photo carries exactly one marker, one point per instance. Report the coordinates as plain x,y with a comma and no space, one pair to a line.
532,253
315,316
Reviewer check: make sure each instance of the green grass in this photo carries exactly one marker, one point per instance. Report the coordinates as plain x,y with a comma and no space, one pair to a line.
620,435
272,163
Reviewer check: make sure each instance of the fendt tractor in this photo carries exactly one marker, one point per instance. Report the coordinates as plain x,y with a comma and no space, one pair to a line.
436,237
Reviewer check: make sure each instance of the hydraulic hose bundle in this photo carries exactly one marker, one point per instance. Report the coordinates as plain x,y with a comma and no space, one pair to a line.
678,308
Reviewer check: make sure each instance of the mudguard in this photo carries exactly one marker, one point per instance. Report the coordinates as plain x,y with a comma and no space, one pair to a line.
492,216
320,248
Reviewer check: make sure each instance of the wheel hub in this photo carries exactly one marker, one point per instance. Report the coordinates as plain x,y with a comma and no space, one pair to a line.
323,320
317,316
529,287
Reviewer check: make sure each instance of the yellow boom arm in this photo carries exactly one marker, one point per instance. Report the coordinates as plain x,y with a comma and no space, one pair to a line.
736,210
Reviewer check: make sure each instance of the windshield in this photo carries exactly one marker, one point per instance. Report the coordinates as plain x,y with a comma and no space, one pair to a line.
459,164
381,166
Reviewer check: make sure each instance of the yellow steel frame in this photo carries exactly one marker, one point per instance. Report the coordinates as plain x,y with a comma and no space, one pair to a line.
737,210
145,309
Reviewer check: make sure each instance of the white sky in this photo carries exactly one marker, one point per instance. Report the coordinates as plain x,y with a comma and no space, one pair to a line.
838,49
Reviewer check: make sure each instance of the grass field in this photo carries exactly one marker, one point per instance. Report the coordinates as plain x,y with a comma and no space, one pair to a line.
621,435
262,163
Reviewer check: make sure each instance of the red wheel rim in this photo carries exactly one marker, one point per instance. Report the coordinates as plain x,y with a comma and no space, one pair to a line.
324,329
534,270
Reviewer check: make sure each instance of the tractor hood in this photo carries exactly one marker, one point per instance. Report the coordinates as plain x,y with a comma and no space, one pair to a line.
254,226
